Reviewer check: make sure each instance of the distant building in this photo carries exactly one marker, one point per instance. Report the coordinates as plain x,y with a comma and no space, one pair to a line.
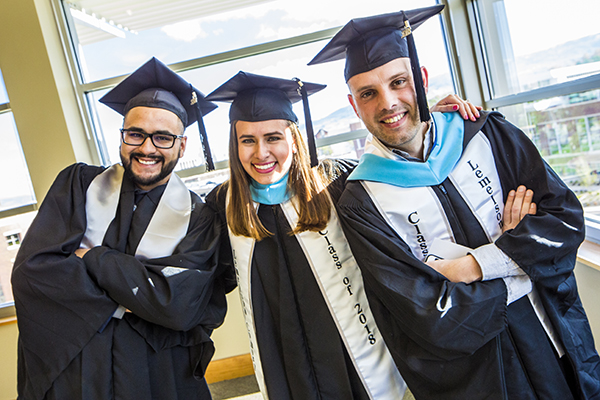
13,230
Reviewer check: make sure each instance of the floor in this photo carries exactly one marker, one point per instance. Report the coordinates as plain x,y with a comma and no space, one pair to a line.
244,388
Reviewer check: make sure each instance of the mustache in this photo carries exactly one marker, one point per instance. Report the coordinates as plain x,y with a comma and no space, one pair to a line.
388,113
142,155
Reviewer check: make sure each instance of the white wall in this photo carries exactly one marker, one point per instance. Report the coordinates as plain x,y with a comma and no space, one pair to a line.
588,282
231,338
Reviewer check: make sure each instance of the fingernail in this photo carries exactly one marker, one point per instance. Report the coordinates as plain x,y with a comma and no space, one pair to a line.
455,107
521,189
476,114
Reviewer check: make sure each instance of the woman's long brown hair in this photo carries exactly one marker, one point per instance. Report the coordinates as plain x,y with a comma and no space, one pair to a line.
313,204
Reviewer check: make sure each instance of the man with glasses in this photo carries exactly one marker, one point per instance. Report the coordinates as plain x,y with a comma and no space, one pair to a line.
116,284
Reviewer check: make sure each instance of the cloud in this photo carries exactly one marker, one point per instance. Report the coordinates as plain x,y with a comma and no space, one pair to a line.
267,32
255,11
185,31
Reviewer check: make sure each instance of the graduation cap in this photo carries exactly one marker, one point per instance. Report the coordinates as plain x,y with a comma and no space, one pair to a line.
156,85
368,43
261,98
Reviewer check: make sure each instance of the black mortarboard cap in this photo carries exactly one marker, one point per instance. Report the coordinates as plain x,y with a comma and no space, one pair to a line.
368,43
156,85
261,98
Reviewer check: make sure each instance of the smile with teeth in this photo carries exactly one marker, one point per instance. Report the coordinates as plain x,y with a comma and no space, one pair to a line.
393,119
264,167
147,162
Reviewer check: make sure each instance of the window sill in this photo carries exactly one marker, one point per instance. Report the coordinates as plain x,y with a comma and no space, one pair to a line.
589,254
8,320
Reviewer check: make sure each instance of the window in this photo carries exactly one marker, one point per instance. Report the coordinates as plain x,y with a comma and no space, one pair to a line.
523,53
13,239
546,80
13,229
209,42
16,196
15,182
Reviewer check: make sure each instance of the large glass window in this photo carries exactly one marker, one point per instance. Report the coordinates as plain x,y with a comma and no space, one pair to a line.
113,38
16,193
545,78
224,40
12,230
532,44
15,183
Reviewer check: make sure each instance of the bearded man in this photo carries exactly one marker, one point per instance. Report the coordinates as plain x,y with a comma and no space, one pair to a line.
117,286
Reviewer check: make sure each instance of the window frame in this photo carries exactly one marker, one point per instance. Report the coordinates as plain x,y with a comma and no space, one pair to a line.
5,108
468,63
478,67
7,309
558,89
9,242
64,21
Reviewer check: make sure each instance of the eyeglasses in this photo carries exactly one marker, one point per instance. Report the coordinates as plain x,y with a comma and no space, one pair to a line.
159,140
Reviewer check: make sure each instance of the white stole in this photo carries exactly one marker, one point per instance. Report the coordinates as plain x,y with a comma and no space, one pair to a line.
166,229
341,284
415,213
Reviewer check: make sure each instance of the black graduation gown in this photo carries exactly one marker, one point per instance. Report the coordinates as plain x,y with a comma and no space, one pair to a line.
485,350
302,353
70,347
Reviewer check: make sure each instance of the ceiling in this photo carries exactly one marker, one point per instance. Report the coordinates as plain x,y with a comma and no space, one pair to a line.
98,20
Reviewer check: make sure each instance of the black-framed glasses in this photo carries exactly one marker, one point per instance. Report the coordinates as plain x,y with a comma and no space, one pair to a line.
159,140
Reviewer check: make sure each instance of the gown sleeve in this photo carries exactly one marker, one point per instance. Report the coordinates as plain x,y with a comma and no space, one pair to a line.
447,319
543,245
59,306
179,291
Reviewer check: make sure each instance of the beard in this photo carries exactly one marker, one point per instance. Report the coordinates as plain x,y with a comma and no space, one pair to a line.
398,137
165,171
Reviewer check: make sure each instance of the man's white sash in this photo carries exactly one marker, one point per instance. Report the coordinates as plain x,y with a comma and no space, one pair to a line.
415,213
341,284
168,225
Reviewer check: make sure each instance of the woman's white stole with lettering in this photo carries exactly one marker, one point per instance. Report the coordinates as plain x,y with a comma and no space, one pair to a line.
341,284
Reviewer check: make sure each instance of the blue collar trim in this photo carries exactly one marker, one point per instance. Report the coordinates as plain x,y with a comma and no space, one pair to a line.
271,194
445,153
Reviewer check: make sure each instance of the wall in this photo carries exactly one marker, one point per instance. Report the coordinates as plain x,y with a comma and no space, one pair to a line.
40,91
231,339
588,282
8,360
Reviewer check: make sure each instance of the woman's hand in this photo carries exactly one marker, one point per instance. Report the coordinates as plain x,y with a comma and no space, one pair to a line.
453,103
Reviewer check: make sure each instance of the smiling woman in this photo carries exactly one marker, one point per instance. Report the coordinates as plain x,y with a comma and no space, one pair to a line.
265,148
295,271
